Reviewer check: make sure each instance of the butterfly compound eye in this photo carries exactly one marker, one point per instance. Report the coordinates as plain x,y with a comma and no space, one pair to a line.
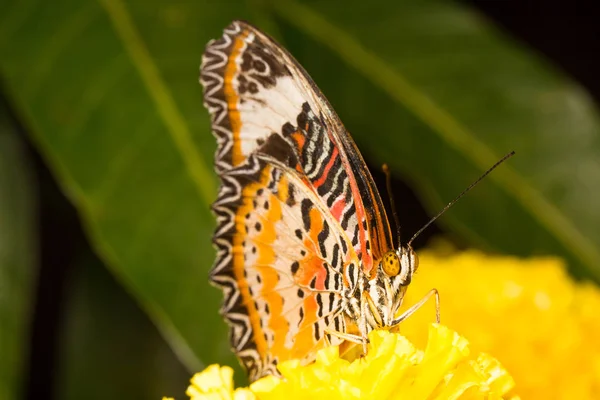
391,263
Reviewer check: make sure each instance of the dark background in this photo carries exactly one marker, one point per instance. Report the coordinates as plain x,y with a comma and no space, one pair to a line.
564,32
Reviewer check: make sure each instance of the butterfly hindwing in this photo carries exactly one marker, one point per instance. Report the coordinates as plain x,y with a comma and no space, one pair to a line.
282,290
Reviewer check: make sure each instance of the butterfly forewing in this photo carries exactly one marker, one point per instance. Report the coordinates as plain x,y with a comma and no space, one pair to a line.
292,228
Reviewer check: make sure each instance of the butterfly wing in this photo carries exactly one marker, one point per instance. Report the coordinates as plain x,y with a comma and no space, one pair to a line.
297,210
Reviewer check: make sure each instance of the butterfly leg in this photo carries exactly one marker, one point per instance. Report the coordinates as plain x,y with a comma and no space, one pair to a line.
419,304
347,336
362,324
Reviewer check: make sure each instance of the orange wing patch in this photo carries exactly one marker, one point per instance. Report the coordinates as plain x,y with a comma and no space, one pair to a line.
232,97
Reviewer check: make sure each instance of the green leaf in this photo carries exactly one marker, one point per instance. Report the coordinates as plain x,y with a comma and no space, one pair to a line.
432,89
18,256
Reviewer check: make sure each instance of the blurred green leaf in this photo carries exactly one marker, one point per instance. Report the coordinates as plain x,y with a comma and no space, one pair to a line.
432,89
109,348
18,255
109,91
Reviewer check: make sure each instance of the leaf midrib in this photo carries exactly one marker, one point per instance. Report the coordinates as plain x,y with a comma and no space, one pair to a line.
166,107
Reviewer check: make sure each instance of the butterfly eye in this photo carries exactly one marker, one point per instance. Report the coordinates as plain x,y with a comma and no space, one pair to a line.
391,263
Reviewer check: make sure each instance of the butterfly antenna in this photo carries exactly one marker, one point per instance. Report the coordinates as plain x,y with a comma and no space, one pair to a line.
388,184
471,186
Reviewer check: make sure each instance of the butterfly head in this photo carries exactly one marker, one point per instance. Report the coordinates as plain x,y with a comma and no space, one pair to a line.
385,291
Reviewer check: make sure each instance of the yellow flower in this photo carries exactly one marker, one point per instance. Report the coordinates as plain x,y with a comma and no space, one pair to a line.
392,369
543,327
540,324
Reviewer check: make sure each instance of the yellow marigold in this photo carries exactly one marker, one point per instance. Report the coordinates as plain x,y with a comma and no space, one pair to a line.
392,369
540,324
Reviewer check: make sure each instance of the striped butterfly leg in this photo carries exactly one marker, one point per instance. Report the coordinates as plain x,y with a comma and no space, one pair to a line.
433,292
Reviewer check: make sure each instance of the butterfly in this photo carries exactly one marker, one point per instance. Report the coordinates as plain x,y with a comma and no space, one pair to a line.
305,253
